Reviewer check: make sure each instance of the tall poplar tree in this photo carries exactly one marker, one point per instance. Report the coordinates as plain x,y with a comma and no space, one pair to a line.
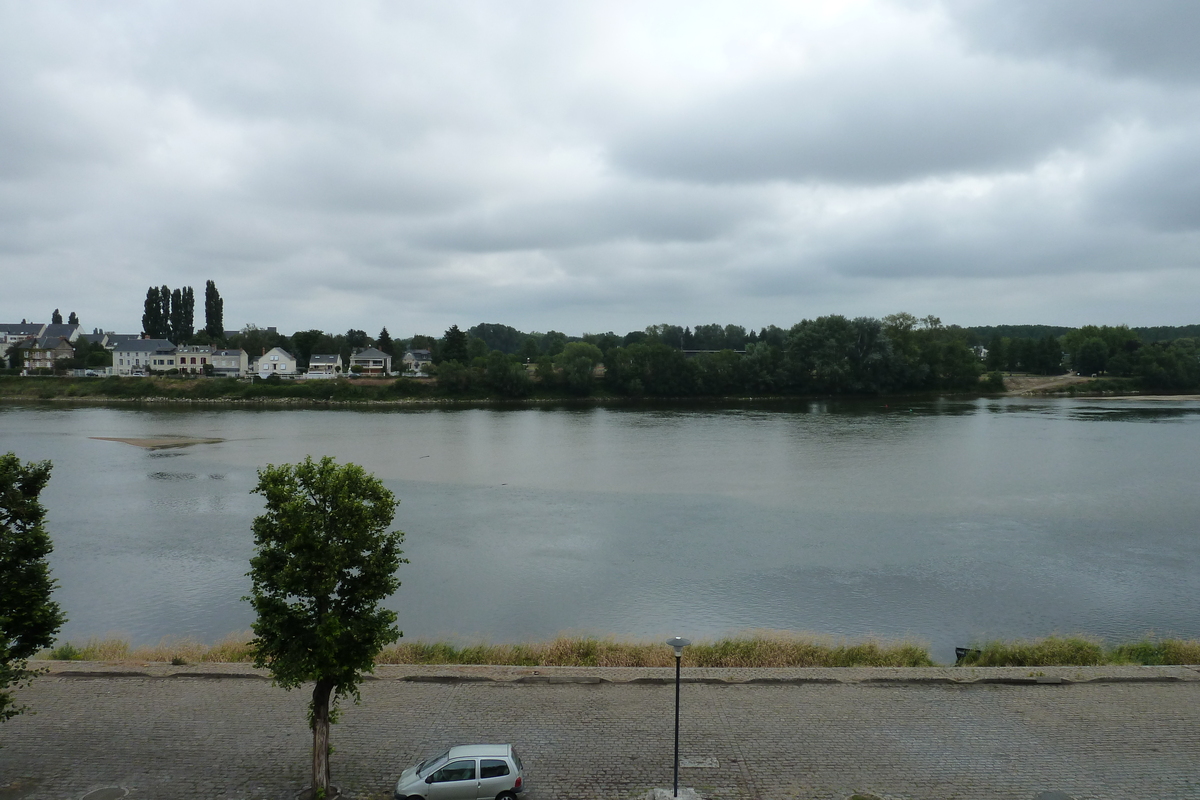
214,311
164,302
188,326
175,316
153,323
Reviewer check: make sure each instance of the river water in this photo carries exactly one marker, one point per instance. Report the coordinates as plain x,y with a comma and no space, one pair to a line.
948,521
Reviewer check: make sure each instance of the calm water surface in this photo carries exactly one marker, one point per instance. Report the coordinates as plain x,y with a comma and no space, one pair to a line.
951,522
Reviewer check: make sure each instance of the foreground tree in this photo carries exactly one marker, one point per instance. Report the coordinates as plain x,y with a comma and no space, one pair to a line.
324,560
28,617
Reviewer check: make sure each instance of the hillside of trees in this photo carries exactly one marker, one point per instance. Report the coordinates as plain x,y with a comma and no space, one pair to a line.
827,355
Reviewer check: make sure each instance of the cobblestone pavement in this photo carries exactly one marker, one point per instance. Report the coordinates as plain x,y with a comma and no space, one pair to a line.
224,733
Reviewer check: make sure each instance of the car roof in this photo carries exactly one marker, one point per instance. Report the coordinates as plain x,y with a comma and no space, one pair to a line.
480,751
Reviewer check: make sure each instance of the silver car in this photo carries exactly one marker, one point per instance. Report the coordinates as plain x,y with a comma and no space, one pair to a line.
466,772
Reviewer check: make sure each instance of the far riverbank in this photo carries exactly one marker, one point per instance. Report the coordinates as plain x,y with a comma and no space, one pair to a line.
408,392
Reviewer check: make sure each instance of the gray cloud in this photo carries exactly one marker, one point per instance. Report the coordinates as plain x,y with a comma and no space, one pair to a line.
894,120
1155,182
580,168
1151,39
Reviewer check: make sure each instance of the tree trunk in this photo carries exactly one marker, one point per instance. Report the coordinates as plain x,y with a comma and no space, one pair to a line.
320,728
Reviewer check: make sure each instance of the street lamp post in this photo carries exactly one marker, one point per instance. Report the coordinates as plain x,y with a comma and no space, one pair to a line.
678,643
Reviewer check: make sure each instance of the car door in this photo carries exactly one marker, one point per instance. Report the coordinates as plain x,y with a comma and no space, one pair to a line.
455,781
495,776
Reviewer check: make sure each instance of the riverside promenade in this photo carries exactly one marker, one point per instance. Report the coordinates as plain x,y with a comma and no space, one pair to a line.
104,731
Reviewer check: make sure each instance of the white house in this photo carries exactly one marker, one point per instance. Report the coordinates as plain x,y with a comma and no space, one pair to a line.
143,356
275,361
415,359
371,362
324,365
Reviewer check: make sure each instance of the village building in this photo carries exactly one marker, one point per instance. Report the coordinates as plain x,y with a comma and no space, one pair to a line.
143,356
193,359
275,361
40,354
371,362
230,363
324,365
413,360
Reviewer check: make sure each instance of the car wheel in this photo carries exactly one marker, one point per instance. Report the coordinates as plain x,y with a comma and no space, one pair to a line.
506,796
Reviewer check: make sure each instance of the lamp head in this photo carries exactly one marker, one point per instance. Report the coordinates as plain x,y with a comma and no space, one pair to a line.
678,642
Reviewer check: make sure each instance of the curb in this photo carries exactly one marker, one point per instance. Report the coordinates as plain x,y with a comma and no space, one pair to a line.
881,677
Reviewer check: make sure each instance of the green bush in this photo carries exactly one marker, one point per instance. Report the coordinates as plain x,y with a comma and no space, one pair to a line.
1049,652
66,652
993,382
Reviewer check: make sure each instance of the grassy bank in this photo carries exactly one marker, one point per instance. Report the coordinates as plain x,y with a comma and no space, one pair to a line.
405,390
212,389
563,651
760,650
1082,652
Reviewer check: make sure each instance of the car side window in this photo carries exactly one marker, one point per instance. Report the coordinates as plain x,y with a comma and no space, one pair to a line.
489,768
455,771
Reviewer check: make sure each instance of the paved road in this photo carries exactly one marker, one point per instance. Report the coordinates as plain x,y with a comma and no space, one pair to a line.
237,737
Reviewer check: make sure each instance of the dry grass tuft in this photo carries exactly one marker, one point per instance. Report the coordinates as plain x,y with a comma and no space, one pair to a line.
754,649
185,650
770,649
177,650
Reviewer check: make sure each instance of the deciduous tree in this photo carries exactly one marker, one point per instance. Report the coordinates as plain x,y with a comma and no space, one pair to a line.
28,617
324,560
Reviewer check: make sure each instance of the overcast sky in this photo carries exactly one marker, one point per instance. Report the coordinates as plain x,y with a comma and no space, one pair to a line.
594,166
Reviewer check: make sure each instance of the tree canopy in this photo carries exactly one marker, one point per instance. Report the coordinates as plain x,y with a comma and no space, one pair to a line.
214,312
454,346
29,619
324,560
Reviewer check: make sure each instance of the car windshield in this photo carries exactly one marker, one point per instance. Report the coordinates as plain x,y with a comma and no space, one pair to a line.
517,760
429,764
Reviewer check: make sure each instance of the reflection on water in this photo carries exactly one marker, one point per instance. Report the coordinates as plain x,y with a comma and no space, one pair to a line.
948,520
